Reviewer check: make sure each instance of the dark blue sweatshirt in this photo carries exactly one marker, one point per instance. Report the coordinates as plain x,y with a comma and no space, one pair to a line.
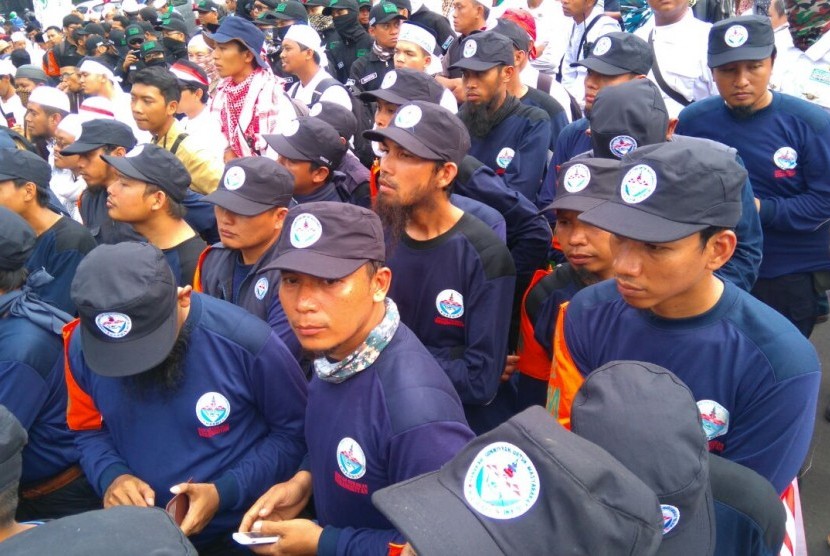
786,148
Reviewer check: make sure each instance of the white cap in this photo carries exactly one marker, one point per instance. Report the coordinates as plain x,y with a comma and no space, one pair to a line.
417,35
198,41
308,37
7,68
71,124
96,108
18,36
129,6
51,97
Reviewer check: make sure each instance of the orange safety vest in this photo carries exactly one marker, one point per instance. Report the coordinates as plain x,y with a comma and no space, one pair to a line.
533,359
197,275
81,413
373,178
565,378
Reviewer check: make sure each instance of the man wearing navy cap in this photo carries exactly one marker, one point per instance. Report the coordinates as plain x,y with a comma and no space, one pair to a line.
61,242
250,206
510,137
785,143
462,314
149,194
311,149
380,409
166,386
384,25
32,385
754,376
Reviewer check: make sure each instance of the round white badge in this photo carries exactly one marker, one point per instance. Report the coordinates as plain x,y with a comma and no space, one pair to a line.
234,178
350,458
212,409
501,482
389,79
408,116
135,151
621,145
638,184
505,157
305,231
261,288
114,325
291,128
450,304
470,48
785,158
603,45
577,178
671,516
714,418
317,108
736,36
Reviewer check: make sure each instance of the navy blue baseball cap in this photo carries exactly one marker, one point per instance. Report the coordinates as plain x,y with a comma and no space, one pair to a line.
97,133
749,37
403,85
585,182
152,164
253,184
13,439
16,164
617,54
242,31
17,240
482,51
311,139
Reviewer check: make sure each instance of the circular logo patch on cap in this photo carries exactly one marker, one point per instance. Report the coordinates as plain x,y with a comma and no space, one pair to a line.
505,157
714,418
577,178
408,116
389,79
317,108
114,325
470,48
671,516
212,409
736,36
234,178
135,151
305,231
450,304
603,45
638,184
501,482
350,458
785,158
621,145
291,128
261,288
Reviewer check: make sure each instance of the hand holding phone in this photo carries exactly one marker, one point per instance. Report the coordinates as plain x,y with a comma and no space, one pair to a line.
253,538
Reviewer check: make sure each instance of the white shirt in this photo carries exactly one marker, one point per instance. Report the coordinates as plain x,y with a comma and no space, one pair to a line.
13,107
335,93
811,73
552,28
783,71
680,49
206,130
573,79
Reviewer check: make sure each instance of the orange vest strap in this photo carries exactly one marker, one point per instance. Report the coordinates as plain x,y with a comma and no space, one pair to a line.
81,413
533,359
565,378
197,275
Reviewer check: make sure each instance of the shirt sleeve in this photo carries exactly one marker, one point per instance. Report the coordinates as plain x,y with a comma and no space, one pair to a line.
742,269
22,390
526,170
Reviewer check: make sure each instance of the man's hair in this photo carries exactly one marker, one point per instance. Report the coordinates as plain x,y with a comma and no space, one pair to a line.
52,28
8,505
125,21
51,111
316,56
175,209
708,233
11,280
42,197
193,87
372,268
162,79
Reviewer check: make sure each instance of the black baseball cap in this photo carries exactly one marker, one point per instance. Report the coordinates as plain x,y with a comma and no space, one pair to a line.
649,420
672,190
94,41
748,37
174,24
526,487
426,130
205,6
25,165
133,33
311,139
126,300
403,85
242,31
290,10
13,438
585,182
383,12
148,47
336,116
619,53
329,240
253,184
512,30
627,116
97,133
403,5
350,5
482,51
17,240
152,164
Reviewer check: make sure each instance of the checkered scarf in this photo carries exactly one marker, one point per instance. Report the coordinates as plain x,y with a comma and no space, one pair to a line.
235,94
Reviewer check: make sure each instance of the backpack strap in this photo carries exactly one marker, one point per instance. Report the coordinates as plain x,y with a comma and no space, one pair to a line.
177,142
661,82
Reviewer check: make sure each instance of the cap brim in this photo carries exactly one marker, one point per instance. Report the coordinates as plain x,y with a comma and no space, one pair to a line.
79,147
383,94
578,203
740,55
600,66
120,359
433,519
283,146
236,203
697,536
636,224
288,17
404,139
474,65
307,261
123,165
389,18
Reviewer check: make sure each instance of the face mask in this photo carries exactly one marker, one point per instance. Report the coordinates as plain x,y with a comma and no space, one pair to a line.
172,44
24,96
345,24
158,62
281,32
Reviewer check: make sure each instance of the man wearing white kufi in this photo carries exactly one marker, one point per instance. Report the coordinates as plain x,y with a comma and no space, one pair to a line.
304,56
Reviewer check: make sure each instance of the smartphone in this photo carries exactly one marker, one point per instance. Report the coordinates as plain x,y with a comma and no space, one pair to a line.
253,537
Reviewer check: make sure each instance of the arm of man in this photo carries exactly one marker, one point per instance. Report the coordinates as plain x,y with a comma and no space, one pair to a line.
22,390
527,168
742,268
205,170
278,322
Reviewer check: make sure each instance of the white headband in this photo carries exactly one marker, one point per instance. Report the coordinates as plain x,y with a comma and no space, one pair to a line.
97,68
417,35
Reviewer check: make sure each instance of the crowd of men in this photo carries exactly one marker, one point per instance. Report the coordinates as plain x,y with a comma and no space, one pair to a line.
405,277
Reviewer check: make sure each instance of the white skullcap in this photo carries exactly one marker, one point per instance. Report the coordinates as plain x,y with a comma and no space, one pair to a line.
7,68
18,36
51,97
308,37
71,124
199,42
96,108
417,35
129,6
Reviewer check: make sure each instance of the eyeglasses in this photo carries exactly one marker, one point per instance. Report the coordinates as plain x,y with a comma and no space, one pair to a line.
68,74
